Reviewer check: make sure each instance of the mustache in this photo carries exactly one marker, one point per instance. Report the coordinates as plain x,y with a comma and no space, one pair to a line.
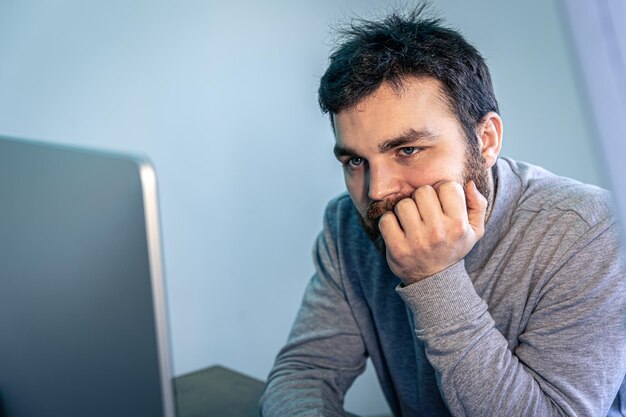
377,208
369,220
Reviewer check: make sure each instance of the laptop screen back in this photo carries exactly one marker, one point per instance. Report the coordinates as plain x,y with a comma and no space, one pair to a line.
82,319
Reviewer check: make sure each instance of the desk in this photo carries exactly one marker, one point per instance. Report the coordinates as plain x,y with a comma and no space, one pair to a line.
218,392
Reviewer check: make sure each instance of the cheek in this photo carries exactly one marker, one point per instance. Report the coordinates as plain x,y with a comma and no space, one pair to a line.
432,173
356,187
424,175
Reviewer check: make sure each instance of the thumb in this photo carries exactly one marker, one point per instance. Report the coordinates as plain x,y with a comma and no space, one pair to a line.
476,208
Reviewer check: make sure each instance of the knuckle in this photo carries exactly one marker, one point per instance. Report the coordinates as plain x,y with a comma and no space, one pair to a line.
404,204
458,229
437,236
423,191
451,187
402,253
398,250
384,219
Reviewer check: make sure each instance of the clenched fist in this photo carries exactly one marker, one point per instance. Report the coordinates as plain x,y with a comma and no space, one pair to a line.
433,229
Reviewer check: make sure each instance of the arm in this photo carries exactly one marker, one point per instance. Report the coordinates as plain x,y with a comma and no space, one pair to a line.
324,352
571,357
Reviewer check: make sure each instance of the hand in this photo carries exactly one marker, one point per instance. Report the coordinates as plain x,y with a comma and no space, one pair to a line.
432,230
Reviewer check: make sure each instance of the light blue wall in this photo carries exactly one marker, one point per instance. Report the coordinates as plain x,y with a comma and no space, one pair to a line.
597,30
222,97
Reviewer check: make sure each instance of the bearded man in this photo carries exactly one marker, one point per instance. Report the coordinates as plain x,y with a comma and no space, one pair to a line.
477,285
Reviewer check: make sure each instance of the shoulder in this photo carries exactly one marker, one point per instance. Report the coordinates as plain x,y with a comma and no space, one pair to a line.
553,196
340,212
558,225
342,225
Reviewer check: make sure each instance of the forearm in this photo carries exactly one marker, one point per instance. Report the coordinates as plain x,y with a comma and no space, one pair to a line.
315,368
295,388
324,353
479,375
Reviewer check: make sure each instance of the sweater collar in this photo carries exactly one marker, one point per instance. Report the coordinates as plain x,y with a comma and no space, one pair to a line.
508,189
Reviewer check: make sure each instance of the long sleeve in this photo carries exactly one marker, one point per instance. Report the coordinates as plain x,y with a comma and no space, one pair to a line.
325,350
571,357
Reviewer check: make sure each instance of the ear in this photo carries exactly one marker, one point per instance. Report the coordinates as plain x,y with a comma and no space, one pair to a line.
489,133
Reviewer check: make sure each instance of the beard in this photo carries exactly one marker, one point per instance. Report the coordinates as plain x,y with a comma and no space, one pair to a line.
474,169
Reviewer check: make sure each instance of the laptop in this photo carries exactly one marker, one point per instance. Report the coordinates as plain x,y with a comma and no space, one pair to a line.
83,327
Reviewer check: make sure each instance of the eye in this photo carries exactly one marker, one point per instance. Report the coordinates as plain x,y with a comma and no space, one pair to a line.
409,150
354,162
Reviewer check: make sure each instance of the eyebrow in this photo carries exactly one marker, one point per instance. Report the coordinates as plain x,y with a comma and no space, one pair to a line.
408,137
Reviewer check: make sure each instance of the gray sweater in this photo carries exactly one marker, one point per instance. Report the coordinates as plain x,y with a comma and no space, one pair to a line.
531,323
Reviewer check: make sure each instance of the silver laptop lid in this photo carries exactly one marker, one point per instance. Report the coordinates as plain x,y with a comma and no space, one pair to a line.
82,306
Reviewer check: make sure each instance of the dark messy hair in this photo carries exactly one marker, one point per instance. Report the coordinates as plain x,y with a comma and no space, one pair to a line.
370,53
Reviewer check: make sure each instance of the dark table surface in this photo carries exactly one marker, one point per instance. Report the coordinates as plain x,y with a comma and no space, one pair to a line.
218,392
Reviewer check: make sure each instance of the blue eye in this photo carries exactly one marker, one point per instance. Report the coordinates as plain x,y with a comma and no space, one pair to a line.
355,162
409,150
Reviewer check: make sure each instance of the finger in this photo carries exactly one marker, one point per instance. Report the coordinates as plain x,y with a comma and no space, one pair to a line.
390,228
427,203
452,198
408,216
476,208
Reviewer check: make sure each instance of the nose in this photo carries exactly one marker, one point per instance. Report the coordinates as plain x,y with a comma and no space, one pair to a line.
383,182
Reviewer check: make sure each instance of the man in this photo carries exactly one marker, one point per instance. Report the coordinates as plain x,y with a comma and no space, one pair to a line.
478,285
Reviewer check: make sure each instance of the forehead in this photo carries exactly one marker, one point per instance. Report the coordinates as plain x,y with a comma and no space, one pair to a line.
418,103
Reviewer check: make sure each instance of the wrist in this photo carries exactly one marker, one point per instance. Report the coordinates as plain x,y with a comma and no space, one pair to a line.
445,296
